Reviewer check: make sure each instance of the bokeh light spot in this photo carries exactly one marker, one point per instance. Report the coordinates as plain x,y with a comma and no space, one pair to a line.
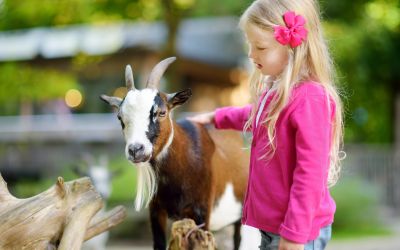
120,92
73,98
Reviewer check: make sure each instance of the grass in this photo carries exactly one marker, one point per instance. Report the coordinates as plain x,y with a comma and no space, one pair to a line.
124,184
345,234
357,210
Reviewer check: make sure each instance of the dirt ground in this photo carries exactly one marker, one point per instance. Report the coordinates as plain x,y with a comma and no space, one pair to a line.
390,242
374,243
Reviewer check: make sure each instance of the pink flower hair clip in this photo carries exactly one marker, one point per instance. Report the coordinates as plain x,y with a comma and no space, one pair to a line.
294,33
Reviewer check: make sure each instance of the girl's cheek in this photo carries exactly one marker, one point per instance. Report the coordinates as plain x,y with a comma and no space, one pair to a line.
279,60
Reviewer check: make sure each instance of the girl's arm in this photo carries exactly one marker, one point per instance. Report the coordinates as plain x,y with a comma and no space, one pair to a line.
232,117
225,118
311,120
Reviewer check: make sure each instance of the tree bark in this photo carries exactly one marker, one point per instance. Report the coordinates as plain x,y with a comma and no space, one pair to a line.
60,218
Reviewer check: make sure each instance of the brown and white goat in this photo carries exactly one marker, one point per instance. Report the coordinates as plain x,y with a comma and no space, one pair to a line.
185,170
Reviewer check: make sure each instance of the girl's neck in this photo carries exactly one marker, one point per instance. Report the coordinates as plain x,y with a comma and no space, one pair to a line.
270,81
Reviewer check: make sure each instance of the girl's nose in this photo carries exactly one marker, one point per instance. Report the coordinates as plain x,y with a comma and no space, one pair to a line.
250,54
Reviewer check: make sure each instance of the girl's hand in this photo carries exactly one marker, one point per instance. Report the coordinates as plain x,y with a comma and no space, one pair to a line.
285,244
205,118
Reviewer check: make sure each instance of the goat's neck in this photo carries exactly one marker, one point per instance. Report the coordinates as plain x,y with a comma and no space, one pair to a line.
180,153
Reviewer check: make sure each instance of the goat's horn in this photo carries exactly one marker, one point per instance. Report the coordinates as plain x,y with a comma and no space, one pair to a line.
157,72
130,85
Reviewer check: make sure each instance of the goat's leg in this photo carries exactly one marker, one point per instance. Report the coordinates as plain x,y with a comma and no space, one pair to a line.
158,219
200,215
236,235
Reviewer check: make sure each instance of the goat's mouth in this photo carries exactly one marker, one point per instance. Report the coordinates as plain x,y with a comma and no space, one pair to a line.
139,159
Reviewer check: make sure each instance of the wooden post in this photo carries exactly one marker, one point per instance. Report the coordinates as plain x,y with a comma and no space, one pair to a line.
61,217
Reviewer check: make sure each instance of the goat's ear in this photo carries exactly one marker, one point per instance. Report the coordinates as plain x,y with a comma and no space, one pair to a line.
178,98
112,100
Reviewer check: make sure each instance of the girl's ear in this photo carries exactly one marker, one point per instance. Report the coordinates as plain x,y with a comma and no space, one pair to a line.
178,98
111,100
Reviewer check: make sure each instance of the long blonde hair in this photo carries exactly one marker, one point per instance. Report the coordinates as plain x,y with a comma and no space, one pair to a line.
309,61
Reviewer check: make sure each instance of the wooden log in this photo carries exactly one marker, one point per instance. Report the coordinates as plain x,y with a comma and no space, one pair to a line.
104,222
60,218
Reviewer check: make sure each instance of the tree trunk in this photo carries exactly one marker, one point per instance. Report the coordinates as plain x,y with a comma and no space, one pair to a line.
60,218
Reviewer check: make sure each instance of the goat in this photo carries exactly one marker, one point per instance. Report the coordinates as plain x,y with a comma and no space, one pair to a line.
185,170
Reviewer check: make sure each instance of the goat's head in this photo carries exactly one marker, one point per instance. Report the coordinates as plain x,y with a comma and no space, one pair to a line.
145,115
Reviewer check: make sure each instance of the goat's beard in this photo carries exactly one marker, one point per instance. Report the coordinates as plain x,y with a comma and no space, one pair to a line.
146,185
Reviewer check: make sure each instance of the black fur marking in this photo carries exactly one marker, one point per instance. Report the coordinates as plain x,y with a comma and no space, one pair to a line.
119,114
122,102
179,203
194,135
122,123
154,126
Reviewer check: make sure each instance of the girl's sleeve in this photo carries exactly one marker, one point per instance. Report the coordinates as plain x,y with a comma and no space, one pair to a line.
232,117
311,120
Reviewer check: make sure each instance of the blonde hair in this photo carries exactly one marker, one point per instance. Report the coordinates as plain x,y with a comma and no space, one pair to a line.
309,61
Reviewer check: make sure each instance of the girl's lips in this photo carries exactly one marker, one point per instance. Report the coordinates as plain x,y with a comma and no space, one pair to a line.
258,65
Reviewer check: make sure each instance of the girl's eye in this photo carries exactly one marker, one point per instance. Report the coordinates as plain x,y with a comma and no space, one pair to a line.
162,113
261,48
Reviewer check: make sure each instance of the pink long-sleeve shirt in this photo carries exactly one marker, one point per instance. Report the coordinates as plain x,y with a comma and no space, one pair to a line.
288,194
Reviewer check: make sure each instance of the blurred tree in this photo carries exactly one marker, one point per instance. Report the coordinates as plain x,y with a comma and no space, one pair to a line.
220,8
21,86
365,40
33,13
348,11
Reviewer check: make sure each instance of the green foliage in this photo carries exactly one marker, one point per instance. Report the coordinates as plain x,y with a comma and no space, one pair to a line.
357,208
19,83
124,184
33,13
28,188
366,53
219,8
343,10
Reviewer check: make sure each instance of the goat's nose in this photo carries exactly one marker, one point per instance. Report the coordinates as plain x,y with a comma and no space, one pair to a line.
135,149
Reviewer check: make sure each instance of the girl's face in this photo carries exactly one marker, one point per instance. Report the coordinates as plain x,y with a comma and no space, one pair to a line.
269,56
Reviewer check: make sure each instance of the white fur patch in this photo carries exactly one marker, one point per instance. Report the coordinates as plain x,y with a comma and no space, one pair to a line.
146,185
135,114
164,151
227,210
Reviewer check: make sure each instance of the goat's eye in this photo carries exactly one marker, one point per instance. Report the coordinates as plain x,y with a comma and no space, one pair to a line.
162,113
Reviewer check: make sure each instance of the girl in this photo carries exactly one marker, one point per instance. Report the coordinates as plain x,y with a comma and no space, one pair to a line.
296,122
